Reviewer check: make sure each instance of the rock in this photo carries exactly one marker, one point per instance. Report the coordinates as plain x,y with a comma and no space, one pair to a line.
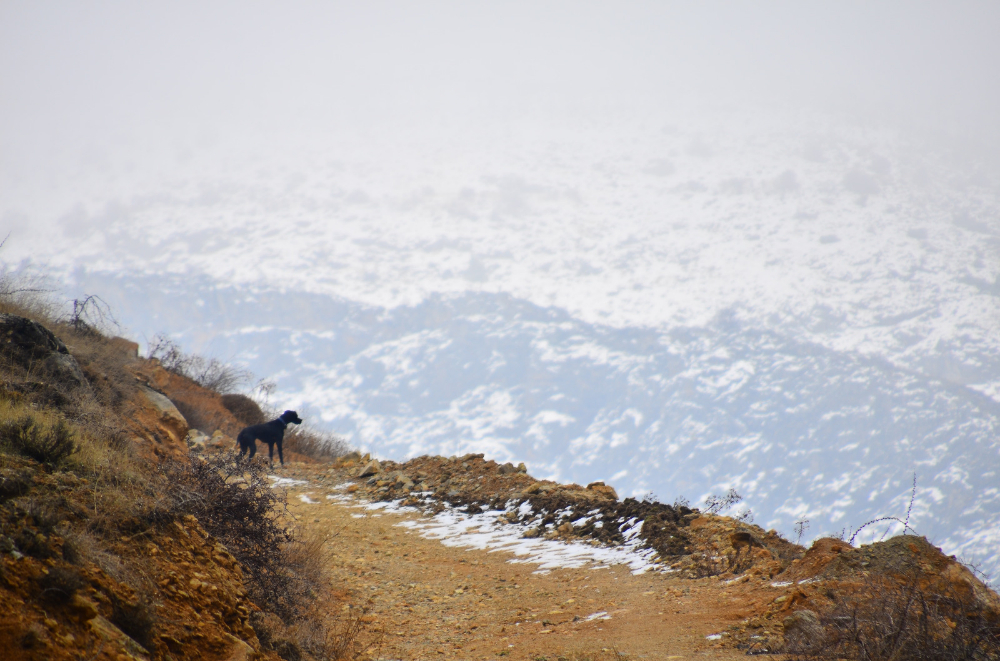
196,440
742,539
371,468
353,457
803,632
30,345
219,441
238,649
64,366
521,468
83,608
112,634
127,347
603,489
507,469
170,419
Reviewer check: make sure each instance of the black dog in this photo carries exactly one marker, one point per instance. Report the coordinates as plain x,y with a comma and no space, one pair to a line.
272,433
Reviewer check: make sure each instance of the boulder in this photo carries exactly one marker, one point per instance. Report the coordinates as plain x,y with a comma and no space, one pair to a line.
196,440
170,419
603,489
371,468
349,459
219,441
803,632
507,469
33,347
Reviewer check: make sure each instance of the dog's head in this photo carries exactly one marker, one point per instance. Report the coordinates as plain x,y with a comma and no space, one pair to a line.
291,417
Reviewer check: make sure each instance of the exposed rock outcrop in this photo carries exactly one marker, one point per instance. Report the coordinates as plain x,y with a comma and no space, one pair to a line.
33,348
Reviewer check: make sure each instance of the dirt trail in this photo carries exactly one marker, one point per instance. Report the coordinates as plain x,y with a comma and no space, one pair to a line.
437,601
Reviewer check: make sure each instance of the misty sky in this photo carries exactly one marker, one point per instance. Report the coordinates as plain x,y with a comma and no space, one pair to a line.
142,86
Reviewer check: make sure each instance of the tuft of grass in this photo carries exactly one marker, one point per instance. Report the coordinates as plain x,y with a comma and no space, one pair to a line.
46,438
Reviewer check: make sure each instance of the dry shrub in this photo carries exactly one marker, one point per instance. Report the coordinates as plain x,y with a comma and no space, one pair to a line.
39,437
244,409
209,373
350,641
315,632
896,618
80,547
319,445
233,500
60,584
318,635
27,294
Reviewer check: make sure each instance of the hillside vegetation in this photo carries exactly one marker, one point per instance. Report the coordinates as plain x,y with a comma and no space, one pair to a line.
123,534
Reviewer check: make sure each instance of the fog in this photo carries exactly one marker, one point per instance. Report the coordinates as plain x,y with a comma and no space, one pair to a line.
116,80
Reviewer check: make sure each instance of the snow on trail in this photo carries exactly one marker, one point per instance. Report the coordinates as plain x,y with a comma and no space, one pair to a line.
485,532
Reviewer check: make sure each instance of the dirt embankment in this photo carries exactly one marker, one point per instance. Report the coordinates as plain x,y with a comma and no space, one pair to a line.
695,543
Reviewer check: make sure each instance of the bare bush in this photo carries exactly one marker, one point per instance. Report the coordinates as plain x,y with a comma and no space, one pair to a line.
896,617
92,315
234,501
715,504
320,445
244,409
209,373
891,520
801,526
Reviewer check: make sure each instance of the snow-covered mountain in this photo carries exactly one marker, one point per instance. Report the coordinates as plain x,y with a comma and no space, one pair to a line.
803,310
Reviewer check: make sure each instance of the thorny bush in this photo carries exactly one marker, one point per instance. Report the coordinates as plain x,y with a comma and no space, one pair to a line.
233,500
894,617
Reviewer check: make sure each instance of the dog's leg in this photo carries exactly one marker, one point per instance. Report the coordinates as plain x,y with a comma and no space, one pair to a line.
270,453
281,455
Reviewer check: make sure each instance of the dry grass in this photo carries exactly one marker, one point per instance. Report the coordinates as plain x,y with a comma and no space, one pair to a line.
319,445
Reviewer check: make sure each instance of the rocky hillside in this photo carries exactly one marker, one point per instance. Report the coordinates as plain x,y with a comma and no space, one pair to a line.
119,542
